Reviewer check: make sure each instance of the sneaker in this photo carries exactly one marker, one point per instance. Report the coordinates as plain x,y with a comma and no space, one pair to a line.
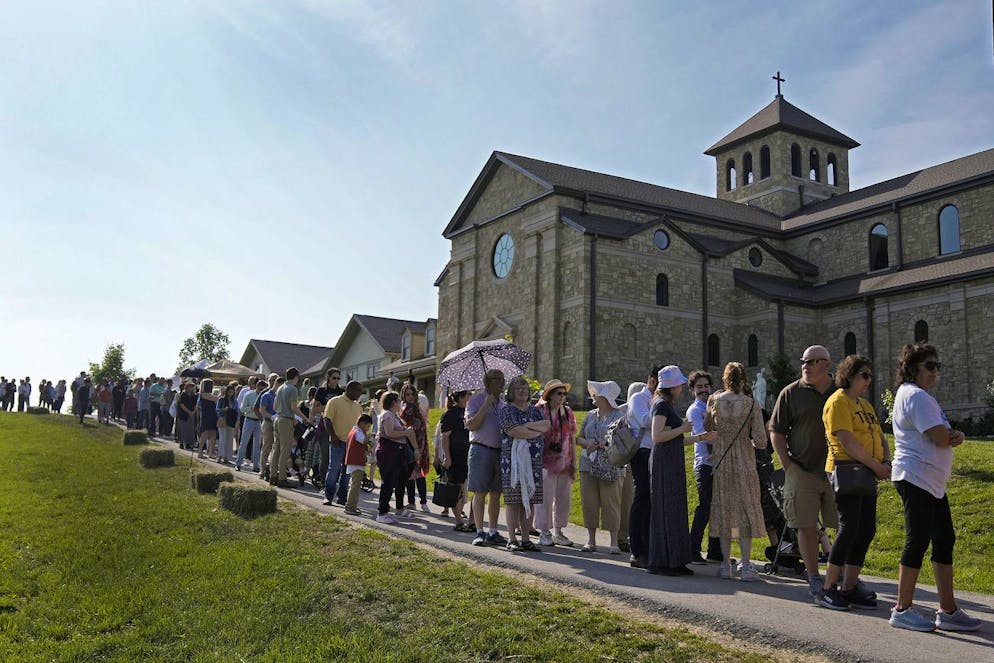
747,573
386,519
832,598
496,539
561,540
352,511
859,600
698,560
638,562
424,507
910,620
956,621
725,571
814,586
480,540
865,591
545,539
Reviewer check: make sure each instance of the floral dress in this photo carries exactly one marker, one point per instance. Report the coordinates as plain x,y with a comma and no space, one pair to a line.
735,500
411,416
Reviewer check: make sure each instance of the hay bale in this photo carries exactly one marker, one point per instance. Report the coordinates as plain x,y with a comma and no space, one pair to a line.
207,482
247,500
36,409
156,457
135,437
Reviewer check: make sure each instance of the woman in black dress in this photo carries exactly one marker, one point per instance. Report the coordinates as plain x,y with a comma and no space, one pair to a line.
669,534
455,451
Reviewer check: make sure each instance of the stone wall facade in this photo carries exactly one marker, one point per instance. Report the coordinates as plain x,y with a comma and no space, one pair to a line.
586,306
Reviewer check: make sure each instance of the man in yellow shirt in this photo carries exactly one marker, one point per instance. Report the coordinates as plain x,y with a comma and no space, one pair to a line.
340,415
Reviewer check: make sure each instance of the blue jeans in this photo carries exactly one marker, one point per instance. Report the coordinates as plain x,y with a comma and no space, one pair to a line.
251,432
336,456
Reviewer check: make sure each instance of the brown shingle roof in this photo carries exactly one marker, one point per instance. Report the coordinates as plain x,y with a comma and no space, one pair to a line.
387,331
780,114
279,356
574,181
959,170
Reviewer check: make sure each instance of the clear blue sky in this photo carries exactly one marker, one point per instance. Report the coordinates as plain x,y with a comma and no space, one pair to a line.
274,167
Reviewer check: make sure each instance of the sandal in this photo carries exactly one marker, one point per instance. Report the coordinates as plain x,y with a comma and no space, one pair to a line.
464,527
529,546
513,546
588,548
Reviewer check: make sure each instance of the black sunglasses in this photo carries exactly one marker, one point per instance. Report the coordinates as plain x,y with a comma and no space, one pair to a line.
866,376
932,365
810,361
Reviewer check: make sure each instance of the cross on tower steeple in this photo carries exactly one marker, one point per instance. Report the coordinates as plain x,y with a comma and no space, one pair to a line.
779,81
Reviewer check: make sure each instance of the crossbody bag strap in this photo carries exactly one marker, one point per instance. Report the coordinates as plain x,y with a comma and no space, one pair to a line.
729,448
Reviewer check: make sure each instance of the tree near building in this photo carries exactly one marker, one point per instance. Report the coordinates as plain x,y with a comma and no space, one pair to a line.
208,343
111,367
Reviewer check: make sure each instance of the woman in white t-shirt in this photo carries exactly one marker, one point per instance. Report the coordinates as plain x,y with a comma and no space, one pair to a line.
923,461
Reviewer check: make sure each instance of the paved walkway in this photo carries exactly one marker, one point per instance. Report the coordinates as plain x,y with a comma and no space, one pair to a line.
776,610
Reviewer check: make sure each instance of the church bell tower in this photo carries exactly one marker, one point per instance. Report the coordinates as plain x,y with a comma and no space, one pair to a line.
782,159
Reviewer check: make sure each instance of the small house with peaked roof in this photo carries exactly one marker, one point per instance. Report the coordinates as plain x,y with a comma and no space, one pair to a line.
276,356
601,276
371,347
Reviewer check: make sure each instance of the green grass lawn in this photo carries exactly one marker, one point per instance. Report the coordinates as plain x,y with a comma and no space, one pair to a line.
971,494
102,560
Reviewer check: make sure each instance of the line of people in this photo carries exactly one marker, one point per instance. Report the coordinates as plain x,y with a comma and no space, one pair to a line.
502,444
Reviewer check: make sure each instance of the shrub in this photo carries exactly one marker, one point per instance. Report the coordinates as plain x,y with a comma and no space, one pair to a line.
782,373
36,409
887,401
247,500
156,457
135,437
207,482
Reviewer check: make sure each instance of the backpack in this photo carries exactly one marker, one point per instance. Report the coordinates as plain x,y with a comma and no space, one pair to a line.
622,445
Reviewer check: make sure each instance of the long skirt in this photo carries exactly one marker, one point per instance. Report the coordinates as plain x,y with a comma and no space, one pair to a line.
669,534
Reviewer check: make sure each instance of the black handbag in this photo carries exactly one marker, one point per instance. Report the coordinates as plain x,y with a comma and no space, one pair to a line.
445,494
850,477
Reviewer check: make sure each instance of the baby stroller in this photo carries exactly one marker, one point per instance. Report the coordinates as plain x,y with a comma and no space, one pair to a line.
786,553
299,451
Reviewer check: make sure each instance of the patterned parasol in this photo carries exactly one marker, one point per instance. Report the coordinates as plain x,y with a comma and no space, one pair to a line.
463,369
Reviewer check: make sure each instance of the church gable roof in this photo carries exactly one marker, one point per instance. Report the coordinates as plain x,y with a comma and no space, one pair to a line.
578,182
951,173
723,247
780,114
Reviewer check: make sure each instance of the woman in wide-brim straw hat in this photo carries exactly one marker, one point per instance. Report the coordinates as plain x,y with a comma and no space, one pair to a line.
558,465
600,497
669,533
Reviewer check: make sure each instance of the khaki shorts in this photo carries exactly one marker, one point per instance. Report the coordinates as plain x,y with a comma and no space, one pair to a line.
805,494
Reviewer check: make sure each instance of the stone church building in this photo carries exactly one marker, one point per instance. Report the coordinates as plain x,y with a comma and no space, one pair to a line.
601,276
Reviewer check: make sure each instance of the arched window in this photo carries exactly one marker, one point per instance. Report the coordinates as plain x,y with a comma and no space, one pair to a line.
850,344
921,331
795,160
753,350
662,290
730,175
747,168
764,162
878,247
948,230
713,350
629,341
814,169
830,168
